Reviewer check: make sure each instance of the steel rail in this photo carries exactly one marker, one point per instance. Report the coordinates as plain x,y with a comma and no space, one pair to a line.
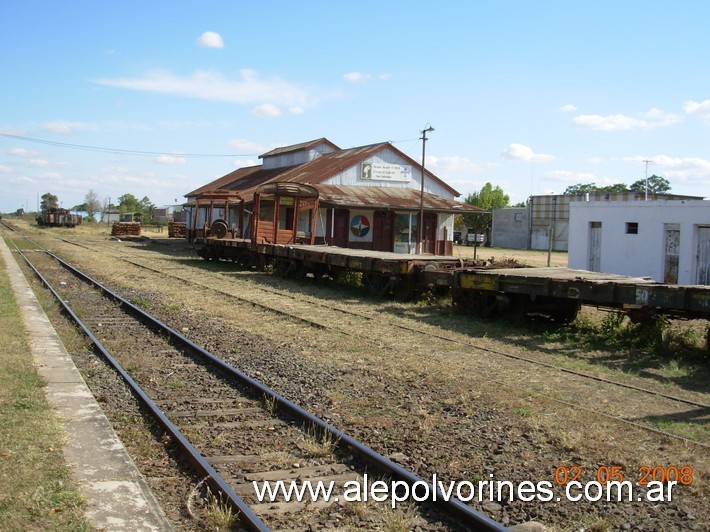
437,497
245,514
440,336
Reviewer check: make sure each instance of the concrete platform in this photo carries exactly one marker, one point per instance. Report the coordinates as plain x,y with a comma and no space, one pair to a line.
118,497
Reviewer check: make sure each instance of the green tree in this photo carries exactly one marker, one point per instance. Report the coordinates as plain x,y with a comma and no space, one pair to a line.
49,201
488,198
129,203
618,187
146,208
580,188
583,188
656,185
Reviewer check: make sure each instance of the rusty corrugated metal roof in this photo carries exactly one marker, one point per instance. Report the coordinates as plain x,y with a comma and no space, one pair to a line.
297,147
388,198
316,171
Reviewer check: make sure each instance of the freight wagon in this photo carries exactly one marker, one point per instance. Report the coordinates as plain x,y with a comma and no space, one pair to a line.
57,217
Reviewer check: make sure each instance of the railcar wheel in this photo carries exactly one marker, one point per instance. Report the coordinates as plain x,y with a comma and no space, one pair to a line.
377,284
283,267
404,288
219,228
566,312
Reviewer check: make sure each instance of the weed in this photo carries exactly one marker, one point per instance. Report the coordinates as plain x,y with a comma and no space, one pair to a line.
524,411
400,519
270,403
317,443
218,515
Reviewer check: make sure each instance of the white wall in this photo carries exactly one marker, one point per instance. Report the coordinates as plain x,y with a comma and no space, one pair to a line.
352,176
642,254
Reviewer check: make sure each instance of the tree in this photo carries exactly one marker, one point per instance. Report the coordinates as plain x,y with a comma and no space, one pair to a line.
656,185
129,203
584,188
580,188
487,198
146,208
49,201
92,204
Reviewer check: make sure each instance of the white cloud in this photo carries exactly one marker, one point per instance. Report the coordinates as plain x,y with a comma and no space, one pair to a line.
210,39
267,110
24,180
244,163
607,123
356,77
170,159
207,85
5,169
525,153
594,160
566,176
62,128
654,117
456,164
22,152
247,146
38,163
568,108
701,109
687,169
296,110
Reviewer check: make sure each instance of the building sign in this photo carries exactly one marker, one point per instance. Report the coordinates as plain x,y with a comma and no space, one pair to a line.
385,172
360,229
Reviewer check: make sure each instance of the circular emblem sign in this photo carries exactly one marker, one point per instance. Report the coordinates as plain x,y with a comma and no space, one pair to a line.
360,226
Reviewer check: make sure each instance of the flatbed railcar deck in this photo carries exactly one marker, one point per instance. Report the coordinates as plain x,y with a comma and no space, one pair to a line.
560,291
383,271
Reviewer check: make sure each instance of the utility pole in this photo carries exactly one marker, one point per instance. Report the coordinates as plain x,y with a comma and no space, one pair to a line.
420,225
646,161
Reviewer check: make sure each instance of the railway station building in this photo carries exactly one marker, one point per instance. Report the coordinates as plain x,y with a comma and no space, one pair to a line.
369,197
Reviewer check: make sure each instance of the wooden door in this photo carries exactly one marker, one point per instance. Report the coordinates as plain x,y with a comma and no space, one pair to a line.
595,246
429,233
383,231
672,248
340,228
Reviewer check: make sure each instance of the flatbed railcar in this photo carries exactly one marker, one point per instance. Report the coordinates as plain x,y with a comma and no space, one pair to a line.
382,271
559,292
556,293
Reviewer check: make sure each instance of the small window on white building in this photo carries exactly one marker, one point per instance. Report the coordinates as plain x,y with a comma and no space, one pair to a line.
518,216
632,228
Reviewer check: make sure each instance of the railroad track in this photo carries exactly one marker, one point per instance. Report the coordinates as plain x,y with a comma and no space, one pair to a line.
233,429
317,312
319,315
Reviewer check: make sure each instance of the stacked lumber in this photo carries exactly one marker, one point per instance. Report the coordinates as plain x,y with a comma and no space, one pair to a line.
126,229
177,230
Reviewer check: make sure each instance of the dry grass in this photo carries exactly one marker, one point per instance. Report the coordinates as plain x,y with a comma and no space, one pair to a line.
316,443
389,363
36,491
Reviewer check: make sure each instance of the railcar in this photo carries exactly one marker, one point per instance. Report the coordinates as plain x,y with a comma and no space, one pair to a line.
57,217
556,293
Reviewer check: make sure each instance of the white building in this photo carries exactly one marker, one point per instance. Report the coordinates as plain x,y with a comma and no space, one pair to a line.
668,241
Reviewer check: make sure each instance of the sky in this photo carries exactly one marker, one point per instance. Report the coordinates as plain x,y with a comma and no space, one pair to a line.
158,98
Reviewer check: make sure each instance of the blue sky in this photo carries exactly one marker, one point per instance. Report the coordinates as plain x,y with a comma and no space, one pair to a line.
530,95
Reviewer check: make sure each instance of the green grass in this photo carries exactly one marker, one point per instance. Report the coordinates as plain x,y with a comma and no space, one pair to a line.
36,491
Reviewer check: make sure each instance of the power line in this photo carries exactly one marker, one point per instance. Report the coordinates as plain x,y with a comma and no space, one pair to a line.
120,151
